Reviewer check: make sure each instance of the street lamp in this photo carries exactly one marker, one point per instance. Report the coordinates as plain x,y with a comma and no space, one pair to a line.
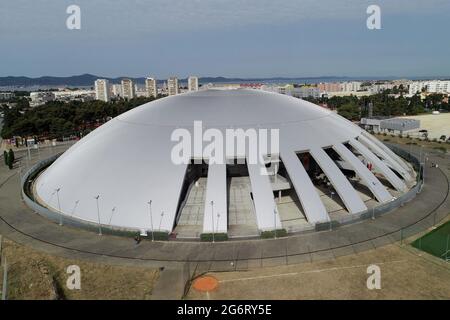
212,219
151,218
217,222
75,207
59,207
275,221
98,216
112,213
160,221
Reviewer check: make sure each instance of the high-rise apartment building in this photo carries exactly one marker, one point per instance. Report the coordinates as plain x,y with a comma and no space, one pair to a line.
193,83
151,88
102,90
128,89
172,86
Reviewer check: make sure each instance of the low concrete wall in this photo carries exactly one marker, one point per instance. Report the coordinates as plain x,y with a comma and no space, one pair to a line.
106,229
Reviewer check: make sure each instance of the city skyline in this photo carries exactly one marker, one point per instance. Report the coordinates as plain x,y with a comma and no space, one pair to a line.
250,39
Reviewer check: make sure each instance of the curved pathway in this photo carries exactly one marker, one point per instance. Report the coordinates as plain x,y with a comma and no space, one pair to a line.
20,224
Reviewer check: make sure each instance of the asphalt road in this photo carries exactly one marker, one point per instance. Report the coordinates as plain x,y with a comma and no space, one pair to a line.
19,223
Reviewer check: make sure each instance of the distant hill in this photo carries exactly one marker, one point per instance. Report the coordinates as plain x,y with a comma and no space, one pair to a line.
88,80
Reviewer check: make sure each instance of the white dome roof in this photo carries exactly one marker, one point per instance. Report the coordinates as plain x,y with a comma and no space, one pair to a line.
127,161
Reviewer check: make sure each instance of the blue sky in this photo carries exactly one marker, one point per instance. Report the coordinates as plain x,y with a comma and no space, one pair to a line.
233,38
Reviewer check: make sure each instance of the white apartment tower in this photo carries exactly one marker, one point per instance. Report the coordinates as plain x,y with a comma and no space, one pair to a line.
193,83
172,86
151,88
102,90
128,89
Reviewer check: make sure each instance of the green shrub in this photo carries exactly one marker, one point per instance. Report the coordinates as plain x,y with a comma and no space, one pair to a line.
208,237
158,235
271,234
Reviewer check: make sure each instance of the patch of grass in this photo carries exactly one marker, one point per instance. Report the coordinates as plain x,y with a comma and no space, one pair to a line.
443,149
34,275
436,242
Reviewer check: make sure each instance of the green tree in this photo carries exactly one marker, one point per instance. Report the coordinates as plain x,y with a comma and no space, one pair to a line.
350,111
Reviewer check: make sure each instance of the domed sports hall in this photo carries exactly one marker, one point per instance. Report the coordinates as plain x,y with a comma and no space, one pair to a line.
122,175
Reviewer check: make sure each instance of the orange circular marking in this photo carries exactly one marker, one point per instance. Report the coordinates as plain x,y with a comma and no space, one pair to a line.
204,284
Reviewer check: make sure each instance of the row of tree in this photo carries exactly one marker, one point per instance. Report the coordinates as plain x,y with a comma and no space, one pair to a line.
383,104
59,119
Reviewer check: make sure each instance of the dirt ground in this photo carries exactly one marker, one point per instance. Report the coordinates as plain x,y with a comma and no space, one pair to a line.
38,276
405,274
436,125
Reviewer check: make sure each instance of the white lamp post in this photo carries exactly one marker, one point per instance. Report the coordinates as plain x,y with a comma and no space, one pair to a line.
59,207
151,218
217,222
112,213
160,221
98,216
275,221
212,219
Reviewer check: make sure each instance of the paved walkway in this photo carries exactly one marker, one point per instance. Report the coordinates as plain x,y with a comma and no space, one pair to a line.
20,224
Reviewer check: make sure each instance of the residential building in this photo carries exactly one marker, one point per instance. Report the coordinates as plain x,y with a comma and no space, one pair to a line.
128,89
6,95
193,83
432,86
102,90
350,86
329,87
116,90
172,86
41,97
151,87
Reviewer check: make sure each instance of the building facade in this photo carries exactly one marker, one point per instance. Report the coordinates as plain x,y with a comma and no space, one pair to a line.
329,87
172,86
151,87
40,98
433,86
102,90
128,89
193,83
6,95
